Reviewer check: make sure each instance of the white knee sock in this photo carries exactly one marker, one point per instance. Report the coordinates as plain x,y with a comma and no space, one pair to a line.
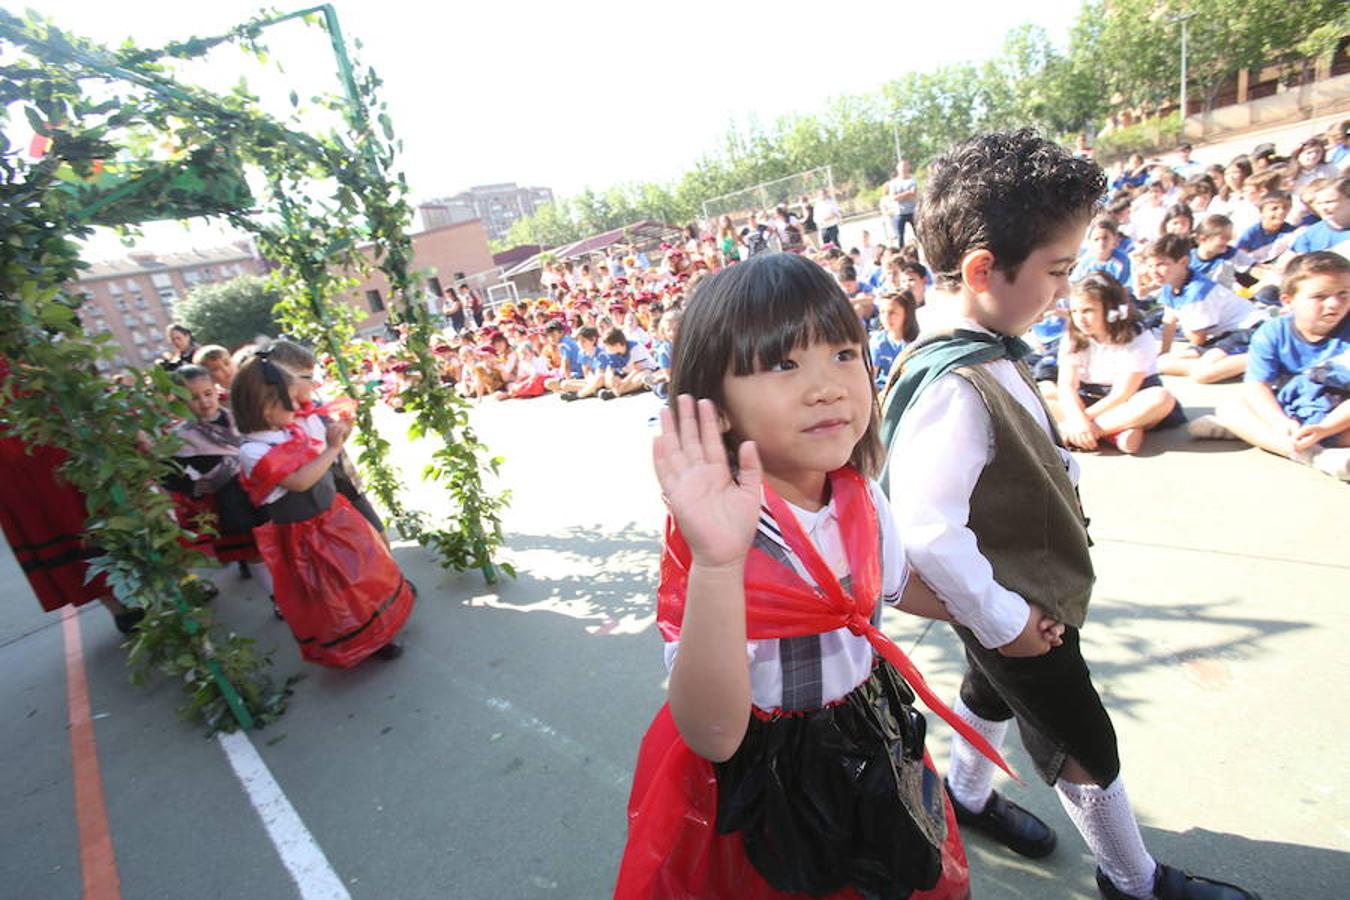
262,576
1104,818
969,774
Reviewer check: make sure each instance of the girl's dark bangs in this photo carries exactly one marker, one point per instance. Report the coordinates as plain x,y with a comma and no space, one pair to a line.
795,304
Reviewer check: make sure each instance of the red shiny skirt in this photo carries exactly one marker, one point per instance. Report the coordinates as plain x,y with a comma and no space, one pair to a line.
43,518
674,850
342,594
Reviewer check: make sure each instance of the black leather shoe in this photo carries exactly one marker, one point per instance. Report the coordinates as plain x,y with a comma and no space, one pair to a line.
1009,824
1174,884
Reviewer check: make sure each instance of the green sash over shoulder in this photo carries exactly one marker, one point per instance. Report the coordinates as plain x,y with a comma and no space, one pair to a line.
930,359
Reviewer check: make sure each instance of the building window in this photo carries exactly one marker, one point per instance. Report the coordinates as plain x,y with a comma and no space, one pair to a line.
161,280
373,301
114,288
434,285
167,296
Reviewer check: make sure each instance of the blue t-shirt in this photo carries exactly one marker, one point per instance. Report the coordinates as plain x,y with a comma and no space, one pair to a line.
661,351
1117,266
618,362
1337,153
1321,236
1297,369
1256,237
885,350
1215,269
570,352
1278,351
1205,306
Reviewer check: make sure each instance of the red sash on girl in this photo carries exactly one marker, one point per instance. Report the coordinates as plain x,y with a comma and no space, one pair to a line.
673,849
280,461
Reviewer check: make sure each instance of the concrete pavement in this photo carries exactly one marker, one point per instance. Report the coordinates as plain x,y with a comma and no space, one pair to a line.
493,759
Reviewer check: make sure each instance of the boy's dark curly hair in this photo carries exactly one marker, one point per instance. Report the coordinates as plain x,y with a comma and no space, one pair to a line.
1006,192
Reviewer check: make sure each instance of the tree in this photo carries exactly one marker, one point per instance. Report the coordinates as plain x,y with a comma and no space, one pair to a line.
231,313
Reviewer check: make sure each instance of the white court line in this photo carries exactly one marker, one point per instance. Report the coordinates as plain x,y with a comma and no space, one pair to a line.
300,854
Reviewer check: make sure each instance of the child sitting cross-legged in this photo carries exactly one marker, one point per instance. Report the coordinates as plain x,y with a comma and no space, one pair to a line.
627,366
1295,399
1108,390
1216,322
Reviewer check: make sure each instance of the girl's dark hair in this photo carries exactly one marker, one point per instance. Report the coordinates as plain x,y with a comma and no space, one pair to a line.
291,355
1177,211
183,374
1171,246
1122,320
907,300
751,316
1005,192
258,382
181,329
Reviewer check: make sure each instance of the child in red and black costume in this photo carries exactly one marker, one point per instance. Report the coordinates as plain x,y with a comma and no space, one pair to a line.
338,588
207,484
790,758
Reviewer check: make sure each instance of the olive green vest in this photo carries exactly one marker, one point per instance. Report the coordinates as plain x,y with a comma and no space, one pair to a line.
1025,510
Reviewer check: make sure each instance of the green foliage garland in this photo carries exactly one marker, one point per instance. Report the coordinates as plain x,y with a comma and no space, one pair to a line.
56,396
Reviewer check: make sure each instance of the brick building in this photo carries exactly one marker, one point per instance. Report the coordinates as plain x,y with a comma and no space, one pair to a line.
132,298
445,256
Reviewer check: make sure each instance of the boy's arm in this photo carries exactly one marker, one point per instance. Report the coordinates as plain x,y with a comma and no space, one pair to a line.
1336,421
943,444
1169,331
919,599
1261,398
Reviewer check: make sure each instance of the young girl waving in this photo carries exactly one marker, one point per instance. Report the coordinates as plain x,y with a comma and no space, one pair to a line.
1109,390
338,588
789,758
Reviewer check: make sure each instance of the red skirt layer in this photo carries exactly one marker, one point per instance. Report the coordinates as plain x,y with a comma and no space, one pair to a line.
341,592
226,548
43,519
675,853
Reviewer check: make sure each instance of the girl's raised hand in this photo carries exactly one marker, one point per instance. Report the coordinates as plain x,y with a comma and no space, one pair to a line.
716,513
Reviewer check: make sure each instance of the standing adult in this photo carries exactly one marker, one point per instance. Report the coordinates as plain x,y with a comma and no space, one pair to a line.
807,213
475,304
182,347
903,192
828,217
454,309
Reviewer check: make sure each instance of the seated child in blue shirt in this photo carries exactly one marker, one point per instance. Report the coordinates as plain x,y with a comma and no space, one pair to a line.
627,366
1267,239
1295,399
666,330
898,327
586,359
1332,203
1216,322
1213,257
1103,253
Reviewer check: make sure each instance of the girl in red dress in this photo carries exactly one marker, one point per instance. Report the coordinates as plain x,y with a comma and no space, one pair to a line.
336,585
789,759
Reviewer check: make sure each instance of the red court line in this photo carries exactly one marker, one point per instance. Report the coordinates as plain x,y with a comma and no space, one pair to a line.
98,866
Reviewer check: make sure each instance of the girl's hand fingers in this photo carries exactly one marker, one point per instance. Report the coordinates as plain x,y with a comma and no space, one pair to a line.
751,475
713,449
688,424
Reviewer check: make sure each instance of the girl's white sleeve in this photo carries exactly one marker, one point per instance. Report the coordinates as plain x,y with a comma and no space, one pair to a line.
894,568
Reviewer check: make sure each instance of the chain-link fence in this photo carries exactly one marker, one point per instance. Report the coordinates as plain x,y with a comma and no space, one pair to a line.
767,195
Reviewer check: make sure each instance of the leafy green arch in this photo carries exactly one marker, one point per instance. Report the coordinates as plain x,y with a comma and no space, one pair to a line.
324,198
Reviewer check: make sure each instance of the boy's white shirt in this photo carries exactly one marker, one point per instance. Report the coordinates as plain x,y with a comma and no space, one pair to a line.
944,442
